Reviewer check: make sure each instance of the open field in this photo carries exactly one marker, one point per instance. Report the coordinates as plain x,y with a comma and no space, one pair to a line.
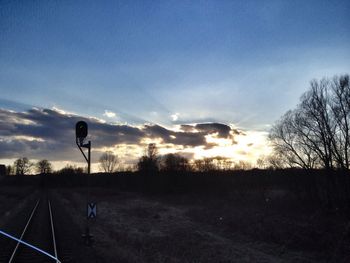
12,199
200,218
134,227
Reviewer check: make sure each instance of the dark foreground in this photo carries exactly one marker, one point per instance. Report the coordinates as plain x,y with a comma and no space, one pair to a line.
256,224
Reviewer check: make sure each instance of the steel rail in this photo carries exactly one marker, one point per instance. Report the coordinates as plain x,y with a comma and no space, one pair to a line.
23,232
53,232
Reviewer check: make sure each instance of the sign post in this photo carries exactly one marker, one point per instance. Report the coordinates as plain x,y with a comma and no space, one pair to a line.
81,132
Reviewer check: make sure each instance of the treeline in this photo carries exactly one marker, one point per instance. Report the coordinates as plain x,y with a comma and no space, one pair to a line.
23,166
152,162
173,162
148,164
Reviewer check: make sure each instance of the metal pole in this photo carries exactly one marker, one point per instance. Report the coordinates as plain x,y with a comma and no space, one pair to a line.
88,195
89,157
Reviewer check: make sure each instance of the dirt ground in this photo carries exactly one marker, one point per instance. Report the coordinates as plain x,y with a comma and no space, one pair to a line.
134,227
13,199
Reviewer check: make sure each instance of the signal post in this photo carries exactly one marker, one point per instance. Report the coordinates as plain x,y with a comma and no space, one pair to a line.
81,132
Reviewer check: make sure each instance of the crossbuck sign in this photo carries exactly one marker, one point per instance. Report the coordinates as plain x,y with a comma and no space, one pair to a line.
91,210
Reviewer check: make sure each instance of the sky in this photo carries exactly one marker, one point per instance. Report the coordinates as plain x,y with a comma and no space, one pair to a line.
235,66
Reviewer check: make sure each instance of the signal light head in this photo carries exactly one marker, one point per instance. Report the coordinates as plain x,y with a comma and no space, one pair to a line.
81,130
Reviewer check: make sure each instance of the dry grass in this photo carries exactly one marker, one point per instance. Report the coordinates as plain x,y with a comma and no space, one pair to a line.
134,227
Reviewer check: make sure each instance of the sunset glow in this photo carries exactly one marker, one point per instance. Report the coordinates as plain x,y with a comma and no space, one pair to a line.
201,79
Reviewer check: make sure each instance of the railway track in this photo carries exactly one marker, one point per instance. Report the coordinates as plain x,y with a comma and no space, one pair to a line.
35,227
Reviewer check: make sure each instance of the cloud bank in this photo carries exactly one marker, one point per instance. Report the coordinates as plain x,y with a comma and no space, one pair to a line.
50,133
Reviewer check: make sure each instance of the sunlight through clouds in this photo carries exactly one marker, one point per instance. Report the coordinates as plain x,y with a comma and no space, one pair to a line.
109,114
32,134
175,116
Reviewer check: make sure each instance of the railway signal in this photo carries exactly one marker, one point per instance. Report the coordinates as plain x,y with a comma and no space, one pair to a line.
81,132
81,129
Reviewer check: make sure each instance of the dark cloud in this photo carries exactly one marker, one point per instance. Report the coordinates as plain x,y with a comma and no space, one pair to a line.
222,129
187,128
50,133
180,138
210,146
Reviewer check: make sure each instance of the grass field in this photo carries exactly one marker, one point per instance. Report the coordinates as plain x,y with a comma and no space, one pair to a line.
255,216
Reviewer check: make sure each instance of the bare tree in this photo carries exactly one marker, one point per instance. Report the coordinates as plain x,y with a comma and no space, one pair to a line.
152,151
316,133
43,167
275,161
340,106
316,119
222,163
242,165
22,166
108,162
262,162
287,142
204,165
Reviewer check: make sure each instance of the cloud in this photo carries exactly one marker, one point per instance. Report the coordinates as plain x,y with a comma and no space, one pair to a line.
109,114
50,133
222,129
177,138
175,116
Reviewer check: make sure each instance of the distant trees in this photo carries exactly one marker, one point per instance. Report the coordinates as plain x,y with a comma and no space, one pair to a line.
204,165
219,163
22,166
43,167
223,163
262,162
108,162
70,170
316,133
173,162
276,161
149,162
242,165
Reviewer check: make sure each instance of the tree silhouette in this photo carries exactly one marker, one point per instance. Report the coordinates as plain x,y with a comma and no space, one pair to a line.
149,163
174,163
108,162
316,133
43,167
152,151
22,166
70,170
204,165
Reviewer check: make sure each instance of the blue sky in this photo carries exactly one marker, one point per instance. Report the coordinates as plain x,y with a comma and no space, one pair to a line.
232,61
235,62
